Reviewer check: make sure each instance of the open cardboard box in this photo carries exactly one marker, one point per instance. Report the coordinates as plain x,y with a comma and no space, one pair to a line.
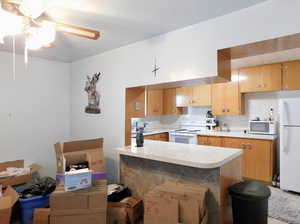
17,180
70,153
80,151
10,197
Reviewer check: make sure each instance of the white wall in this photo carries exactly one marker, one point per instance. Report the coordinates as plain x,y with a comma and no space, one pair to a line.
35,110
183,54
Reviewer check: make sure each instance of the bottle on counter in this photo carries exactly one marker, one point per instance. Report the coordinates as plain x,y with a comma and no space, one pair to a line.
140,137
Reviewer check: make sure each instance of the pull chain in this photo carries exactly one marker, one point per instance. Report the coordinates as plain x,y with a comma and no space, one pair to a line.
14,58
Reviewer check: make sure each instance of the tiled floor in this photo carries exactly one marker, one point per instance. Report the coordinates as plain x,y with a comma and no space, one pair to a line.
274,221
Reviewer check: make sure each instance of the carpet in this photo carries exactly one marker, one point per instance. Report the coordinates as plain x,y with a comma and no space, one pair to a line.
284,206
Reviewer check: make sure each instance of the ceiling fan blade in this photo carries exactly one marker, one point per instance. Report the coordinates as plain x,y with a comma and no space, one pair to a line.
77,31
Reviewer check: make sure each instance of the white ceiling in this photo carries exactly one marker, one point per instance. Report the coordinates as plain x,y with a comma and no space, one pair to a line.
122,22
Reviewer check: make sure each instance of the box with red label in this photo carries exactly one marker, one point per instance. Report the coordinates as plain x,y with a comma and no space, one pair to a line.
86,151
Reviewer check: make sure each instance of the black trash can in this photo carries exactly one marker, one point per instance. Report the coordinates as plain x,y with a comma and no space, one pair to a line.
250,202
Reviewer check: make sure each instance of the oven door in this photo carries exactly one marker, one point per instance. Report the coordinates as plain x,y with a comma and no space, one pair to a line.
183,138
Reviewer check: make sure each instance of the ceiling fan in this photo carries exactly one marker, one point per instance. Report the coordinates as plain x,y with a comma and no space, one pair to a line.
29,17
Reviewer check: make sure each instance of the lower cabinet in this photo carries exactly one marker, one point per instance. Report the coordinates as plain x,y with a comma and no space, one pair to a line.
209,140
158,137
258,155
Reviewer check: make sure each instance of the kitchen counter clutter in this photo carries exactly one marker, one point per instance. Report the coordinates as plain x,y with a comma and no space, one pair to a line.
142,169
233,134
198,156
237,134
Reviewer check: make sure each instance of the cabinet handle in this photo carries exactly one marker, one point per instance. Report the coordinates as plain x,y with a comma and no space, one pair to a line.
243,145
228,110
223,110
258,86
249,146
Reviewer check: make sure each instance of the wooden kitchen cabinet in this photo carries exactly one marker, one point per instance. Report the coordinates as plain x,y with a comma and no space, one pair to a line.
210,140
184,96
201,96
154,101
227,99
193,96
169,102
291,75
260,78
258,157
158,137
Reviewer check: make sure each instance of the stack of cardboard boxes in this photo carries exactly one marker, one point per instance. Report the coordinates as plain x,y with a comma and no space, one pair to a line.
87,205
174,202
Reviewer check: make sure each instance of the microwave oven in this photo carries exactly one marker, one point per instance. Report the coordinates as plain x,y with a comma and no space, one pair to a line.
262,127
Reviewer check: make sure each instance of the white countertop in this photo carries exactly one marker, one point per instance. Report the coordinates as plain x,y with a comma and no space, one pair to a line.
199,156
233,134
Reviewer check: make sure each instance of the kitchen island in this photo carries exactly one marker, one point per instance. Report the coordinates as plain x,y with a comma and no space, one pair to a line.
217,168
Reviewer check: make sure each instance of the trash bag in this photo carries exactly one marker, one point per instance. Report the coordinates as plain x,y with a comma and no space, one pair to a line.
39,186
116,192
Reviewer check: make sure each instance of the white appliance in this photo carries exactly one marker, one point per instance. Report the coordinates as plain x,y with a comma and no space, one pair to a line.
183,136
262,127
290,144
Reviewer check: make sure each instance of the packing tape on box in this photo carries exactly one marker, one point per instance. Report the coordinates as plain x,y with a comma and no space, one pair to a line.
95,176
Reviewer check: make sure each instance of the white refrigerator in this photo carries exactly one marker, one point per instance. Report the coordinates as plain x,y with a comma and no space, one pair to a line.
290,144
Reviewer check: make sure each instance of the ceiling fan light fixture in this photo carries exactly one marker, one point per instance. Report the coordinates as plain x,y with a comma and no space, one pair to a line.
33,8
10,24
40,36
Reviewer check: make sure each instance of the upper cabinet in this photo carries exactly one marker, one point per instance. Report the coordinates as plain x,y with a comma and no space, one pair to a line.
184,96
260,78
201,96
169,102
227,99
154,101
291,75
193,96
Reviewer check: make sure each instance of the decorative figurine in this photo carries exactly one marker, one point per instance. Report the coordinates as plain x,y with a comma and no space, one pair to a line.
93,95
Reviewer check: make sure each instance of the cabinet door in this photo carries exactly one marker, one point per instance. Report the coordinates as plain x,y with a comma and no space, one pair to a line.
233,102
260,78
226,99
201,95
202,140
291,75
184,96
154,102
250,79
169,102
210,140
238,143
218,97
260,167
271,77
257,161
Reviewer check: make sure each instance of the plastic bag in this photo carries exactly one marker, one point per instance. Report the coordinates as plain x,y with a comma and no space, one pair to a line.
39,186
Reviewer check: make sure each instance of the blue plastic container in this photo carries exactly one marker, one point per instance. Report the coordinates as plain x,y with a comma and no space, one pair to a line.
29,204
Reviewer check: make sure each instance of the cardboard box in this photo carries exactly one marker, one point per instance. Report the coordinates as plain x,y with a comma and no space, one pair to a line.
17,180
41,216
129,210
98,217
77,180
160,210
10,197
79,202
80,151
191,200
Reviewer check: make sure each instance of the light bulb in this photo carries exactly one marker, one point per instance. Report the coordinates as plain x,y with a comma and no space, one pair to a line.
33,8
47,33
10,24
